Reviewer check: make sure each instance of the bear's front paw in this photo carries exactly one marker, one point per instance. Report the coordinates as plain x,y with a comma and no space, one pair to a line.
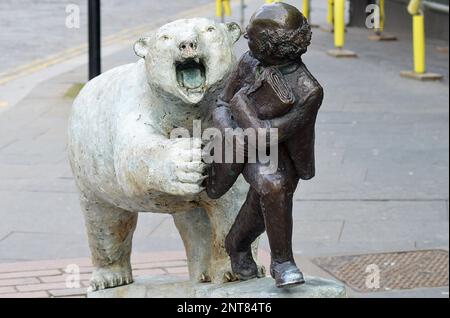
187,169
109,277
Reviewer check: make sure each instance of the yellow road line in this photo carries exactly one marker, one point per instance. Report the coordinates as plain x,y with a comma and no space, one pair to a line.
124,36
119,37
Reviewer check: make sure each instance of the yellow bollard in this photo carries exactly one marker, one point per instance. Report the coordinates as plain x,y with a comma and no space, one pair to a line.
414,7
330,17
306,10
379,32
419,43
419,46
339,23
223,8
219,8
227,7
382,16
339,31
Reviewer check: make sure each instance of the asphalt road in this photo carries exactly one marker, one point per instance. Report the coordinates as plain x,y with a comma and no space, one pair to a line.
33,29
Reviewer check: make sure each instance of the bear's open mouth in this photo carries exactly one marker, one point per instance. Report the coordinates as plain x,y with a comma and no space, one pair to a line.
191,76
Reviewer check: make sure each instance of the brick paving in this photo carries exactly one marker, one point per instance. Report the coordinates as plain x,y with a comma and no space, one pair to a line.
44,279
47,279
382,167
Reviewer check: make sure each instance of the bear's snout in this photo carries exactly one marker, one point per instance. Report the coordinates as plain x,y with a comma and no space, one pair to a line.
188,48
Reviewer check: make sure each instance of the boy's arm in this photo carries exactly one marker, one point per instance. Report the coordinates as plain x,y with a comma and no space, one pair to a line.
222,116
287,125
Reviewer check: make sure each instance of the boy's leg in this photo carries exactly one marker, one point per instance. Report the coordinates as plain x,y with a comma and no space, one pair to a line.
221,177
247,227
276,195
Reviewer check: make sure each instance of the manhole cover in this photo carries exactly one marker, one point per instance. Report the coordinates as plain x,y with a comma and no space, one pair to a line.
388,271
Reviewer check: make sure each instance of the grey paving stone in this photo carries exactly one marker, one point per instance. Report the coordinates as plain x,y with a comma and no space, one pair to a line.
408,231
163,236
45,23
318,248
382,155
368,211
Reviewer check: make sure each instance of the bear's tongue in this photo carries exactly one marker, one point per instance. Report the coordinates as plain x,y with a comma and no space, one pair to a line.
190,77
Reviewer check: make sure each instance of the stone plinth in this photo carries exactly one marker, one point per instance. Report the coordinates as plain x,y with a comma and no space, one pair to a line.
172,287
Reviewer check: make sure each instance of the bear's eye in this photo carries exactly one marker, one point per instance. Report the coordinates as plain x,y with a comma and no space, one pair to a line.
211,29
164,37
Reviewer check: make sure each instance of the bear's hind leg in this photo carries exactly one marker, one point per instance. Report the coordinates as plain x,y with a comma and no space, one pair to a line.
195,230
110,232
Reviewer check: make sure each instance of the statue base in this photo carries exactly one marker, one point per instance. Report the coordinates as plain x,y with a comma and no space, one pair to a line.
173,287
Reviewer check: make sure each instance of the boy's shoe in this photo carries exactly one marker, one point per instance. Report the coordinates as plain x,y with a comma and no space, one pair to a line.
286,274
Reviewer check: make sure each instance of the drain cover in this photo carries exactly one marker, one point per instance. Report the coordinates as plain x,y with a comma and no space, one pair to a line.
388,271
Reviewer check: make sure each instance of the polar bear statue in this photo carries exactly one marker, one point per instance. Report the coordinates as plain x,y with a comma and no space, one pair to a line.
124,161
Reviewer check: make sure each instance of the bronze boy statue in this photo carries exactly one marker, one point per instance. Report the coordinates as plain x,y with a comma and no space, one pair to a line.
270,88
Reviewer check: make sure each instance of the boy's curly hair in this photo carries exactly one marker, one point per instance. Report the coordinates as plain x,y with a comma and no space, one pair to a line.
284,44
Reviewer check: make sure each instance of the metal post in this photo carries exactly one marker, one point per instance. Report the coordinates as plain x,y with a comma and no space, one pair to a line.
339,32
220,10
419,46
243,13
382,16
330,15
306,9
339,23
330,18
94,38
380,35
419,43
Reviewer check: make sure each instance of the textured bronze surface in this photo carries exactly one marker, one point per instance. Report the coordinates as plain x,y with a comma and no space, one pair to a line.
270,88
399,270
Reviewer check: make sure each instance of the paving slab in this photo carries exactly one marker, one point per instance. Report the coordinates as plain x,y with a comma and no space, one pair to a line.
382,157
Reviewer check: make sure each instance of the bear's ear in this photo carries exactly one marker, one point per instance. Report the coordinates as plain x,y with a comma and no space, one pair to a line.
141,47
235,31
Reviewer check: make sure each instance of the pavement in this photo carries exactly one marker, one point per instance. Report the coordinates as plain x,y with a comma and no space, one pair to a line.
382,180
